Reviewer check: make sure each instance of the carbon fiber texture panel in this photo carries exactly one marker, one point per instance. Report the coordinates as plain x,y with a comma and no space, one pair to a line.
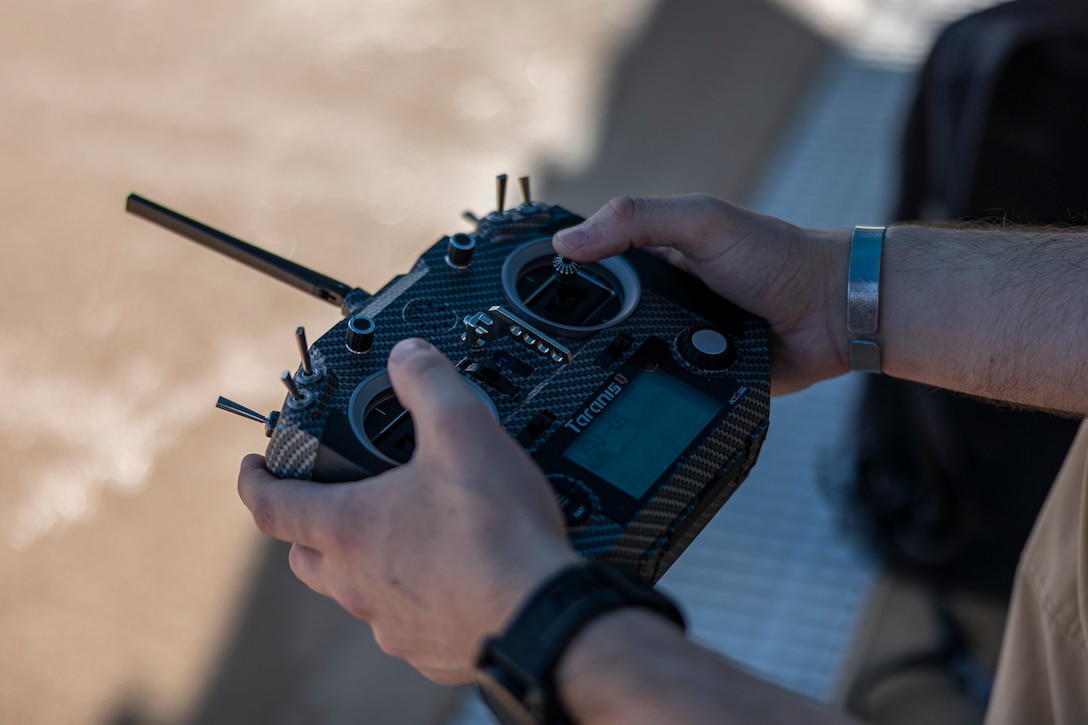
432,300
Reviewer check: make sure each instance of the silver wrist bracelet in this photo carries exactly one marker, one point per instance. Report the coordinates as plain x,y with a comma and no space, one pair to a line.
863,297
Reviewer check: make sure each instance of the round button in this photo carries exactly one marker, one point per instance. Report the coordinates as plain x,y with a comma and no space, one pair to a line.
360,337
707,348
709,342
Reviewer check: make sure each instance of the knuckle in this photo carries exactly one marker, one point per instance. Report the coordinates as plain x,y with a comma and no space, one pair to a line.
710,206
703,202
359,607
296,559
338,538
392,646
260,505
623,209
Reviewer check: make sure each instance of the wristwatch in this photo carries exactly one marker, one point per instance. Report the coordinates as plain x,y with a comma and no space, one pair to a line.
515,673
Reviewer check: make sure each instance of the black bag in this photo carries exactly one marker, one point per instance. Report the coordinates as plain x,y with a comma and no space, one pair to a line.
947,487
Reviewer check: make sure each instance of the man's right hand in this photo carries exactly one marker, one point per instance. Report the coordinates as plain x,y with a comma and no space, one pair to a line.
794,278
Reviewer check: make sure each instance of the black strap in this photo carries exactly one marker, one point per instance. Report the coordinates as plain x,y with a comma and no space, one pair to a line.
523,659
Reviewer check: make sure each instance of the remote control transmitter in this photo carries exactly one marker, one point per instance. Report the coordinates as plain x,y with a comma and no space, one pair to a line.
642,395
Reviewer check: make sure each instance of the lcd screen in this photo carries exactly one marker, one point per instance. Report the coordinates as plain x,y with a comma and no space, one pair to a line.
639,435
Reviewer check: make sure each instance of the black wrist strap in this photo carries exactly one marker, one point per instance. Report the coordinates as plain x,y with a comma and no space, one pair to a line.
523,660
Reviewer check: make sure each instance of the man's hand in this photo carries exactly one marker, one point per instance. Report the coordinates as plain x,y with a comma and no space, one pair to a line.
792,277
996,312
437,553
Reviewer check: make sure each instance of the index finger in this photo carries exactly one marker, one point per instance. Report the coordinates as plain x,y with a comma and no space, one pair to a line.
288,509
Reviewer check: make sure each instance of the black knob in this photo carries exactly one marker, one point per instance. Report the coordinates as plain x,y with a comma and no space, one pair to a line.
460,249
360,334
707,349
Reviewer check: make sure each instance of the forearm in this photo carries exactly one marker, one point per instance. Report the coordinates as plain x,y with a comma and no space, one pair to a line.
635,667
997,313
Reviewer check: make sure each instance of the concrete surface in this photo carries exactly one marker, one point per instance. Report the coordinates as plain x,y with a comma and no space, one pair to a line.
348,136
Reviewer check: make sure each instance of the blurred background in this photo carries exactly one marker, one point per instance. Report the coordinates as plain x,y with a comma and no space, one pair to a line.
350,136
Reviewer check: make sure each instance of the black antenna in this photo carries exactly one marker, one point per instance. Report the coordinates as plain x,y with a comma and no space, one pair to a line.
273,265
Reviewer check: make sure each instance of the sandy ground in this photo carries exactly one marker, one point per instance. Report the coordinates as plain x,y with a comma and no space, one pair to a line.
348,136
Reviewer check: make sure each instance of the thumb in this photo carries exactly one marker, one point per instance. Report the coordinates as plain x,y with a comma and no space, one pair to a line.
684,223
444,408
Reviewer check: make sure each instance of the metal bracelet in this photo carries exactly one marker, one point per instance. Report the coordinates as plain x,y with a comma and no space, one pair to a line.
863,297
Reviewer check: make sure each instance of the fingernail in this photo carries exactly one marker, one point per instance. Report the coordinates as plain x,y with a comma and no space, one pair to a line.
407,348
573,237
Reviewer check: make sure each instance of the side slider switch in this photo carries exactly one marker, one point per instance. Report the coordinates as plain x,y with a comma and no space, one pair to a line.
532,430
619,345
491,375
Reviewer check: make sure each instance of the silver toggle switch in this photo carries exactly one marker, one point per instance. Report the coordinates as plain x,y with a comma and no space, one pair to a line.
478,329
500,200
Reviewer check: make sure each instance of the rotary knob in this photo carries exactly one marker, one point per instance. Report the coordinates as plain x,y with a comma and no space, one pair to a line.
460,249
360,337
707,348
